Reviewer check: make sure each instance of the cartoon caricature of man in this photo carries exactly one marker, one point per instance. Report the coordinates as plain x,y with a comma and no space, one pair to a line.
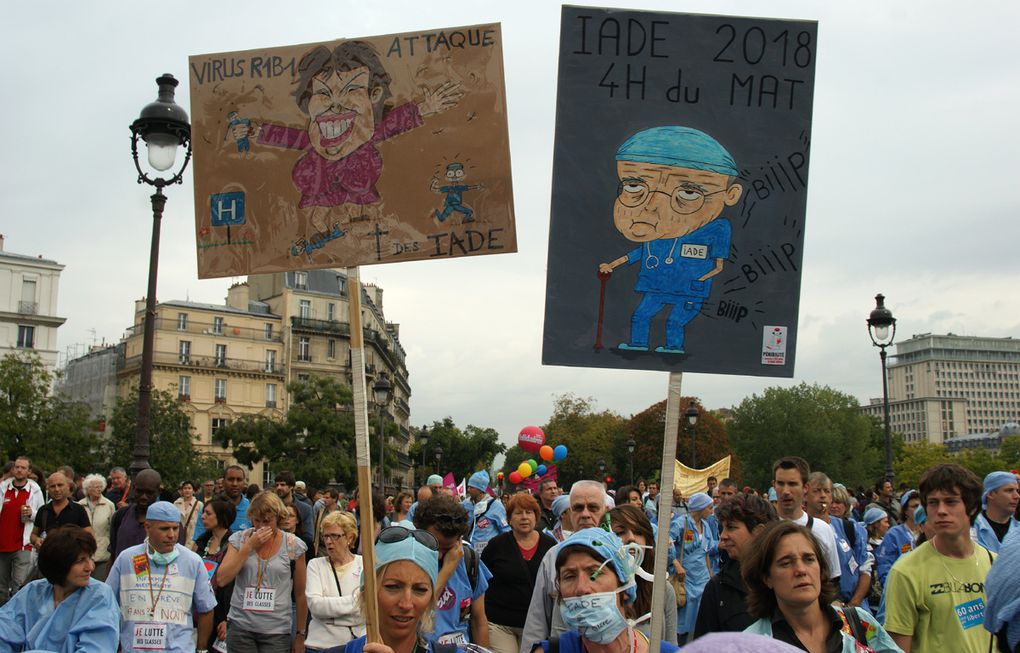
454,190
674,183
345,94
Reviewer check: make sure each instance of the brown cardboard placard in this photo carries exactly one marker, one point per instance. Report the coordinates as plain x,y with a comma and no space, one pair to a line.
352,152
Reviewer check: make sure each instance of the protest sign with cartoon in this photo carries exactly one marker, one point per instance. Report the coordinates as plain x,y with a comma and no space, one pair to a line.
679,191
369,150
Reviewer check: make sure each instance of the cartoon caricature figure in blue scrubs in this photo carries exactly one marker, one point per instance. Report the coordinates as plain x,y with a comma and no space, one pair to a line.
674,183
454,190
